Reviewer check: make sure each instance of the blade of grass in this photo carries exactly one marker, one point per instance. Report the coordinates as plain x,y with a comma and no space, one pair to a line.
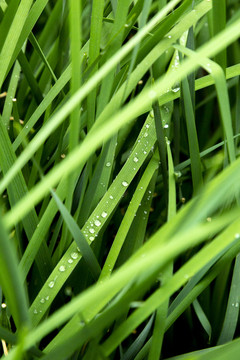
94,52
75,116
11,283
232,311
192,138
16,191
202,318
79,238
8,105
224,104
12,37
161,143
162,311
129,215
219,24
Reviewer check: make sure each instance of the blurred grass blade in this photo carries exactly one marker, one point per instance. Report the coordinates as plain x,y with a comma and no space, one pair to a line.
219,23
12,37
11,283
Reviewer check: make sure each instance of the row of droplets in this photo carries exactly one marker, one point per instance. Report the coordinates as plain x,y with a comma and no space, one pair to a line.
90,229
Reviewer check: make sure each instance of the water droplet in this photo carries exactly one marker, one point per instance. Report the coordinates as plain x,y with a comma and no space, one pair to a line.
70,261
237,305
91,238
111,197
237,236
124,183
135,159
104,214
78,249
47,298
74,255
62,268
152,113
26,126
97,223
144,152
177,174
176,89
145,134
35,311
166,126
42,301
108,164
51,284
169,36
147,126
92,231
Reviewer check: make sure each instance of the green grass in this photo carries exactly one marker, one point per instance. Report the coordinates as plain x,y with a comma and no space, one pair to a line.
120,168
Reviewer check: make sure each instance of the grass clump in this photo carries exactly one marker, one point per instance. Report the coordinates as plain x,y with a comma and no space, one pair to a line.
120,170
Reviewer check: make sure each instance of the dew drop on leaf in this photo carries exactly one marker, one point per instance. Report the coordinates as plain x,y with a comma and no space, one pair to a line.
51,284
176,89
104,214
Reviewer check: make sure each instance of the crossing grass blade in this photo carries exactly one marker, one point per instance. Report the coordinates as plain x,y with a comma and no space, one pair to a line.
81,241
